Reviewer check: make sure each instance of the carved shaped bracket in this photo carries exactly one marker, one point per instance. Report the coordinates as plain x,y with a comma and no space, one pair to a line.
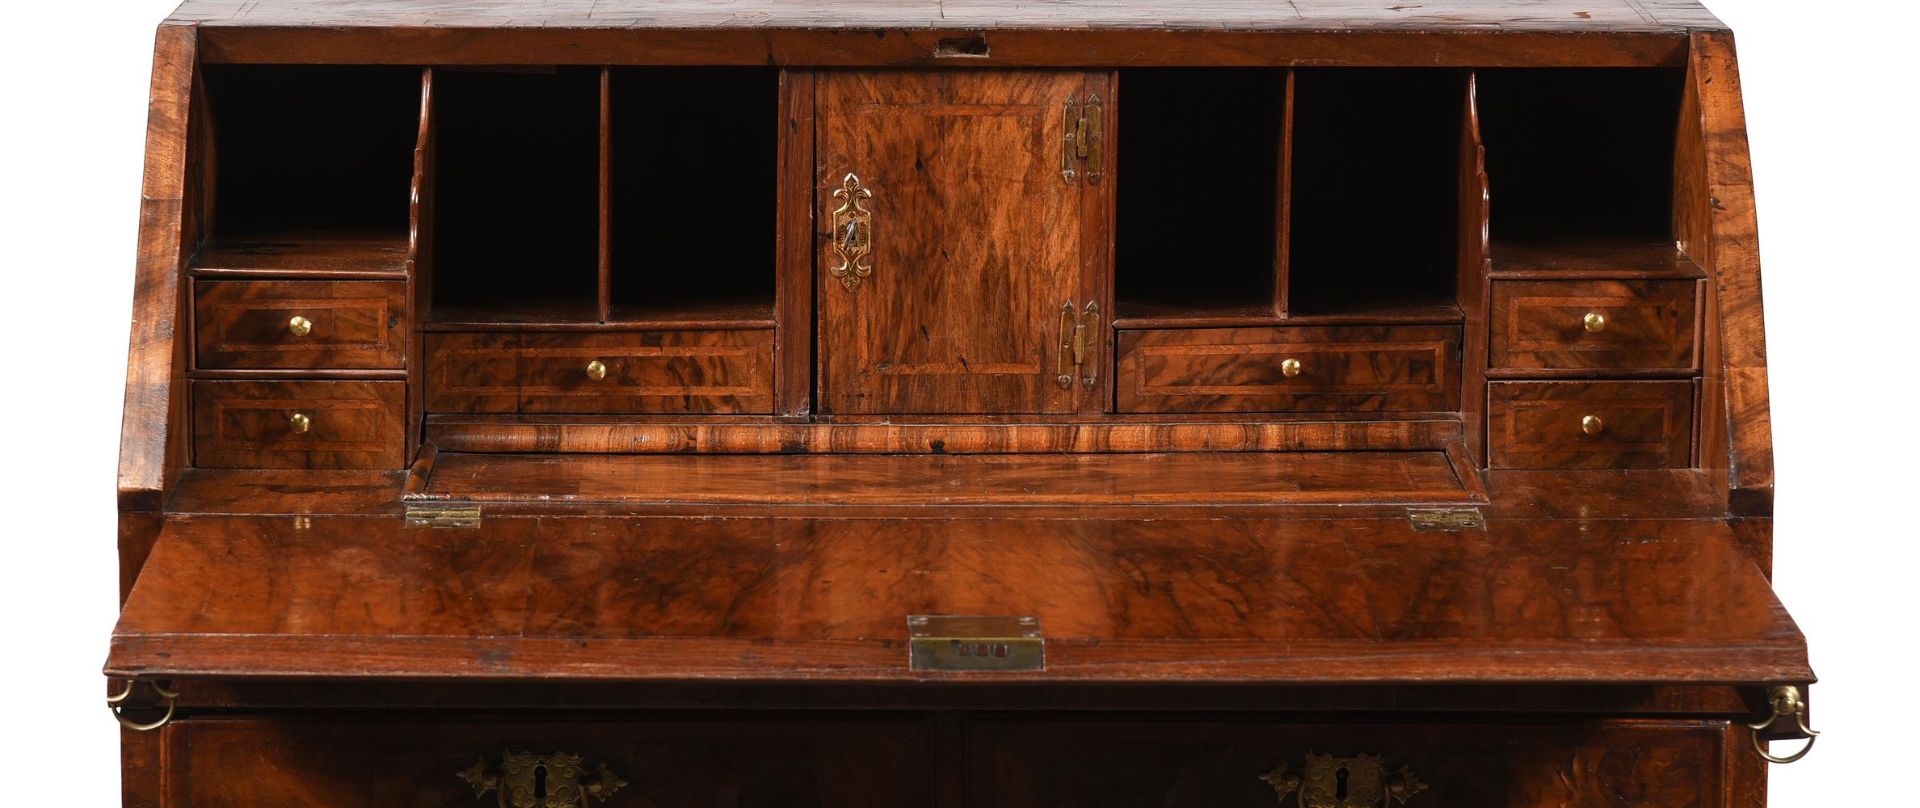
1344,782
527,780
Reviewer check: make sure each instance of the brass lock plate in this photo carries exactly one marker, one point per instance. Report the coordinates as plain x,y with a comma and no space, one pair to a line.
975,643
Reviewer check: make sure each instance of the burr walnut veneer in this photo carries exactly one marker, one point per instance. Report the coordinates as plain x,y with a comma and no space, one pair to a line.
979,403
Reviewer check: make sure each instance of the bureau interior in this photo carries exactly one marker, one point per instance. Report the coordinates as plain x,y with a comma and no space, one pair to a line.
311,151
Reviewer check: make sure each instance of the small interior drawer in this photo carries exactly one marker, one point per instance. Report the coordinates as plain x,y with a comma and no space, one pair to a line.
299,425
1289,369
1647,764
1594,324
691,372
1590,425
246,325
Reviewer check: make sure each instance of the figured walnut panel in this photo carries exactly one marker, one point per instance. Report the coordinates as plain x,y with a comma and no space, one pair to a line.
751,759
1647,324
1579,764
352,425
245,325
1354,369
1539,425
693,372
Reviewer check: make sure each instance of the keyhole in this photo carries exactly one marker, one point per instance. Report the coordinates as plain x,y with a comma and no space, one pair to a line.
1340,784
540,785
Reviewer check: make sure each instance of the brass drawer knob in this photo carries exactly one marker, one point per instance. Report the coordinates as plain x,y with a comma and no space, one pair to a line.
596,370
1290,368
300,423
1592,425
1594,322
299,326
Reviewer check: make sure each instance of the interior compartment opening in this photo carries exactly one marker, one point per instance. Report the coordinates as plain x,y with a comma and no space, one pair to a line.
695,167
312,155
1375,174
1199,170
517,195
1582,159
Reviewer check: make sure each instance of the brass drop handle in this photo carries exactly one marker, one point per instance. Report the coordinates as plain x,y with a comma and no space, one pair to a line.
1290,368
1594,322
1785,701
300,423
299,326
1592,425
117,704
596,370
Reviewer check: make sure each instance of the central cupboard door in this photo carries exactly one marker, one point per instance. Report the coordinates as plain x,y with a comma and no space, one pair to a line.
962,242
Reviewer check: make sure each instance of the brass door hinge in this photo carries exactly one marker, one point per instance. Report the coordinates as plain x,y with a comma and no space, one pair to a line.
443,515
1080,339
1083,147
1450,520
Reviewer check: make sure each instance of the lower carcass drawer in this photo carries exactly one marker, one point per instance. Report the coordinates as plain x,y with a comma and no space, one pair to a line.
1582,764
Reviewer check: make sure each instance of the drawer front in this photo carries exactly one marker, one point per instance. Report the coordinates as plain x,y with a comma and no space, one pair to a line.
1361,369
247,325
299,425
1545,425
1016,764
317,764
695,372
1577,325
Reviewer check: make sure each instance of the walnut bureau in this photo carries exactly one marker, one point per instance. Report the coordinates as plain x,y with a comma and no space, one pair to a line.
967,403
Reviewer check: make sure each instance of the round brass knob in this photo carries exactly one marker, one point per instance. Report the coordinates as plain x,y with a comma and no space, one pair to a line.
596,370
1594,322
1592,425
299,326
1290,368
300,423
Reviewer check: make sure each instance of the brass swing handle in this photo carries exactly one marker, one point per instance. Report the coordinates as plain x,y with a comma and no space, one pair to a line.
117,704
1785,701
1079,344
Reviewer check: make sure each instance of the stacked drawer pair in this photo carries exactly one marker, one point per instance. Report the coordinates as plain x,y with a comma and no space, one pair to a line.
299,373
1592,373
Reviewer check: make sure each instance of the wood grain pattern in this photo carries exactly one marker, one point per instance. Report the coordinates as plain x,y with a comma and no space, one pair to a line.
906,480
1648,324
1386,369
1584,764
244,324
1647,424
976,241
658,371
355,425
824,600
476,434
307,254
752,759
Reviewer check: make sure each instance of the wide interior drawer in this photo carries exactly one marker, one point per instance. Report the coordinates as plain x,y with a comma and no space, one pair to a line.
1573,325
1581,764
246,325
1289,369
1590,425
241,763
299,425
691,372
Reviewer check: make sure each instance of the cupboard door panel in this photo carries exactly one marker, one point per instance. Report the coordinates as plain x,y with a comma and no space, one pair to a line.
976,241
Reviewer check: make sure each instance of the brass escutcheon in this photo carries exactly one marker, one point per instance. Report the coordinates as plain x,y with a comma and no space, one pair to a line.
1327,781
527,780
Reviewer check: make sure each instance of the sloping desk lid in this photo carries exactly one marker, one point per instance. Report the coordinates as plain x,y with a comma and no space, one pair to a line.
787,599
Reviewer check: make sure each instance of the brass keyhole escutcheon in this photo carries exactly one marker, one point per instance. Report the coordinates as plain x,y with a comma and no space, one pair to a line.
1592,425
299,326
300,423
1594,322
596,370
1290,368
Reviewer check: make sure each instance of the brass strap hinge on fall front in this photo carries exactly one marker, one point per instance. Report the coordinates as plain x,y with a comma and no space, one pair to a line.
443,515
1079,345
1449,520
1082,147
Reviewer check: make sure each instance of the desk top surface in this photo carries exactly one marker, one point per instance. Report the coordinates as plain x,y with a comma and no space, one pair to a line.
1569,16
